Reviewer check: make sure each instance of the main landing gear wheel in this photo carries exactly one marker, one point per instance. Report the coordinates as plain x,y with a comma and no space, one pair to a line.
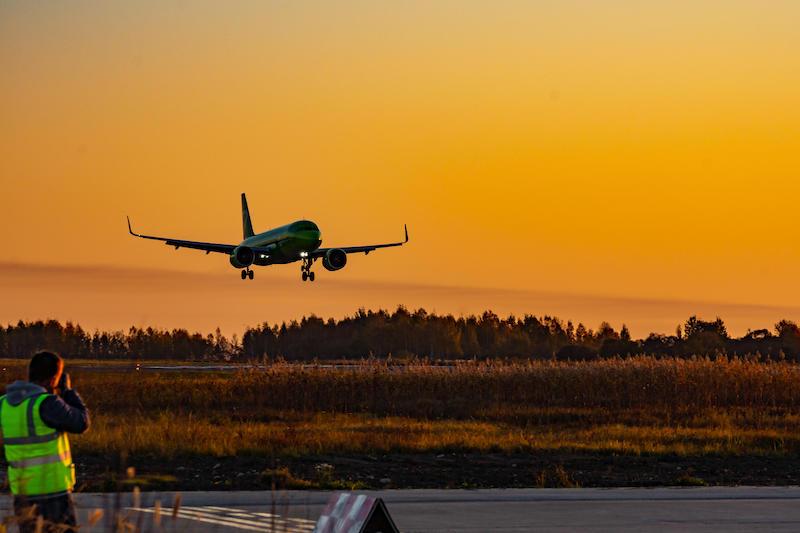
305,270
244,274
250,274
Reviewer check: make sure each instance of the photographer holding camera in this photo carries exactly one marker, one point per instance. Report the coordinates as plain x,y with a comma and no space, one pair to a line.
36,416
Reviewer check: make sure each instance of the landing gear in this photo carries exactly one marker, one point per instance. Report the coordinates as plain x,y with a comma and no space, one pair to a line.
305,270
247,273
250,274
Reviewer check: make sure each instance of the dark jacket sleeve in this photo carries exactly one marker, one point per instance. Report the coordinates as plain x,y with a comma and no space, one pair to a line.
65,413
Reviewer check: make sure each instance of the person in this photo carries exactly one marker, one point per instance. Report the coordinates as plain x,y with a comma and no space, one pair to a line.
35,417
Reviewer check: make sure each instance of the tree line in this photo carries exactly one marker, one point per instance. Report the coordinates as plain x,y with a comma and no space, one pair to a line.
401,334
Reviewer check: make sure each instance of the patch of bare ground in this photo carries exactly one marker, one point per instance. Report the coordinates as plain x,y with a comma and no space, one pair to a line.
450,470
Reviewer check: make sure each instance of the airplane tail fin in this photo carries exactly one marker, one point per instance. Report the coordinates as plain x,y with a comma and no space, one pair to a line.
247,226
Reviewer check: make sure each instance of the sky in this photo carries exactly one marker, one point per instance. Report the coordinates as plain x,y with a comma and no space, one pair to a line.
634,162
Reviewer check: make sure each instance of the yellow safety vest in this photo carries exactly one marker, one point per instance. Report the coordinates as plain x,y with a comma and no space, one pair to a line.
39,459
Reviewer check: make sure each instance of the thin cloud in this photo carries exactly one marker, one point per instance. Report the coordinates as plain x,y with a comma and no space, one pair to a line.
108,297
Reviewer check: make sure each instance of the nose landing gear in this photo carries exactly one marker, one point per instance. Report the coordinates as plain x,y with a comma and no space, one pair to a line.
247,273
305,270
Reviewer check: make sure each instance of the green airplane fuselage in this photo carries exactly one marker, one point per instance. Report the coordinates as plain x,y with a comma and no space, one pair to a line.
298,241
285,243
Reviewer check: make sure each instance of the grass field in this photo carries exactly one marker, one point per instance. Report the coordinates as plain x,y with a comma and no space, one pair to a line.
635,408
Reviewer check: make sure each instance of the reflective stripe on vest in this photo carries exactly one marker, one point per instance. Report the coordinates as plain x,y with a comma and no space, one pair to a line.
39,458
31,440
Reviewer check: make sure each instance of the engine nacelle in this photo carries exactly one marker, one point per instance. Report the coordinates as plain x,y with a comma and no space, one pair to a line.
334,259
242,257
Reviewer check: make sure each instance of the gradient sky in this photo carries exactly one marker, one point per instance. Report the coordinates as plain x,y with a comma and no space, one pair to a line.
632,152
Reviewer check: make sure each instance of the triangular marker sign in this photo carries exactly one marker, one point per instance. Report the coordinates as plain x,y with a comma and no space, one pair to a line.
379,520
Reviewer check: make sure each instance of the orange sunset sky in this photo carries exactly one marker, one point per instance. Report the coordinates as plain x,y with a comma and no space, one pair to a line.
636,162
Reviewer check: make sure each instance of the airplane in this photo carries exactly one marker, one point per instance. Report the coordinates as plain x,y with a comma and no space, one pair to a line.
298,241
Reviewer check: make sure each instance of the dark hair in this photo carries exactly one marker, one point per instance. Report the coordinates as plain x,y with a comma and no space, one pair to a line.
44,366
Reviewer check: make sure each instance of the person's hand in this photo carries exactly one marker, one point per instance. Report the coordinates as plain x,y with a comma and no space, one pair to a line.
65,383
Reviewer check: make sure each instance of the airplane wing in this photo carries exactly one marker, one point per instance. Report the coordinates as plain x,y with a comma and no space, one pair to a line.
208,247
319,252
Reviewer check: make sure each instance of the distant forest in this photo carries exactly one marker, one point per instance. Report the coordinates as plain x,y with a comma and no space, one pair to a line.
401,334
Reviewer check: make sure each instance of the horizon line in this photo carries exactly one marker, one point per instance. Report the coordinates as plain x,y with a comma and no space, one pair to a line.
662,315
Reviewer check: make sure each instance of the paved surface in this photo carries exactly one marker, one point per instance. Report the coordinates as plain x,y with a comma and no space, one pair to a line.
507,510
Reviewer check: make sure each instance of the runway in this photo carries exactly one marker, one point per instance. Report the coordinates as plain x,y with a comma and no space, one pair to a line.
506,510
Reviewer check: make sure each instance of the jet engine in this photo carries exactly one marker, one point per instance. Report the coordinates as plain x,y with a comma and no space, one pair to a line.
334,259
242,257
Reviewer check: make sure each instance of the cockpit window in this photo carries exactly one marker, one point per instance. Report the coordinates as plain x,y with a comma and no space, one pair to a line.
304,225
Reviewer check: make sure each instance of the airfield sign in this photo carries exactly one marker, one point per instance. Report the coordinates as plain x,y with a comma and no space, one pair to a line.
355,513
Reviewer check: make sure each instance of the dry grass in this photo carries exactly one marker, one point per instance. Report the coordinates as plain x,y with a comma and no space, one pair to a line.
166,436
634,406
461,391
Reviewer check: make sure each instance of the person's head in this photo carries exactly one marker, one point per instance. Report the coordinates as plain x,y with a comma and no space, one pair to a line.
45,369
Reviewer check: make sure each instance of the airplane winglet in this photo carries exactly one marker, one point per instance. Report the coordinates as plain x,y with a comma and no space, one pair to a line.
405,227
130,229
